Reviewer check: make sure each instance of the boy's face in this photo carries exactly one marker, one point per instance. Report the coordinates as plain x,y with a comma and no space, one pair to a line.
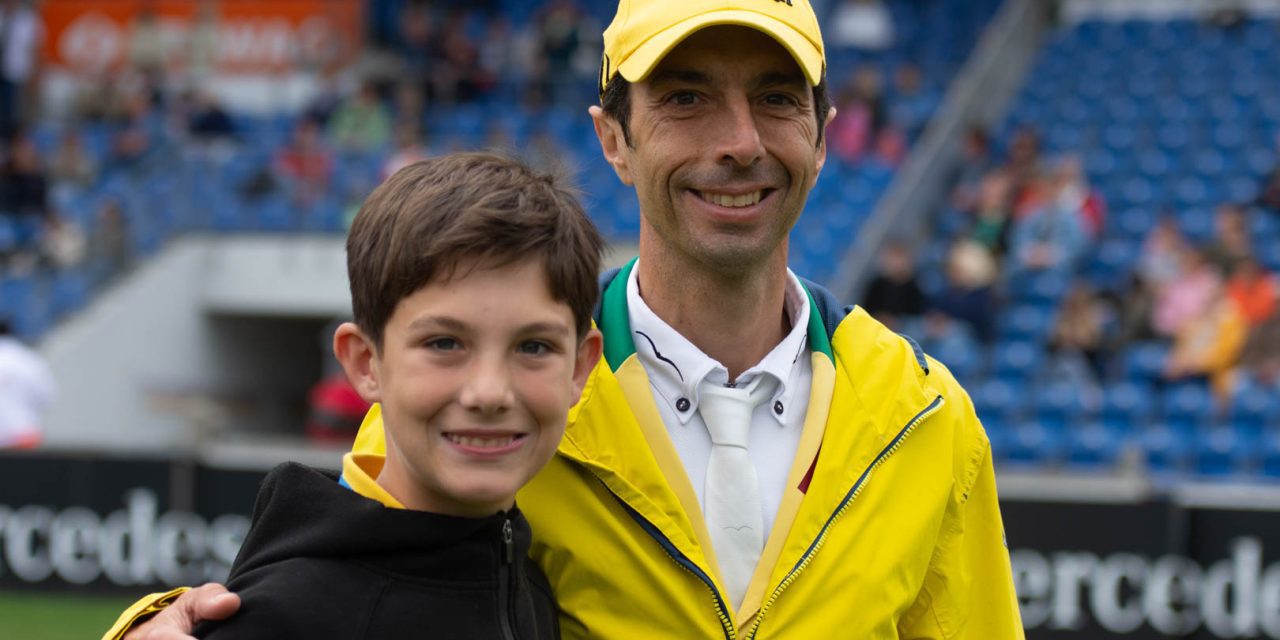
476,377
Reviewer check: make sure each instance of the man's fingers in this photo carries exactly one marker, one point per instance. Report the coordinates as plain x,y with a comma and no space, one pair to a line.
178,620
219,607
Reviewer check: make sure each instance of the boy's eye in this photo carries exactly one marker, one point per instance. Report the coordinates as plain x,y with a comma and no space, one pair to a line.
533,348
443,344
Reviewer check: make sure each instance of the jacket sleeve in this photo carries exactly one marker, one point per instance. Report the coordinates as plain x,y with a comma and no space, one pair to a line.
968,593
141,611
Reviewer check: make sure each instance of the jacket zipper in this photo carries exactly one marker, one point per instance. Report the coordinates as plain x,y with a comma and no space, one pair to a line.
681,561
844,506
506,585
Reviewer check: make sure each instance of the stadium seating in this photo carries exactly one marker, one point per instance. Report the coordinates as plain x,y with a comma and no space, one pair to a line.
178,191
1174,116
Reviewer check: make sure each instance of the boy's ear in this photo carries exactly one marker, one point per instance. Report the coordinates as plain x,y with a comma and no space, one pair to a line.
359,359
588,355
612,143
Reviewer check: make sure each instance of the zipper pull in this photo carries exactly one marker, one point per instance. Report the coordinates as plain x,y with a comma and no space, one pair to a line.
508,542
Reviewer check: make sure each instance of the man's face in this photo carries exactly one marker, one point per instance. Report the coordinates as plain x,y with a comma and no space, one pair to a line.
476,376
724,149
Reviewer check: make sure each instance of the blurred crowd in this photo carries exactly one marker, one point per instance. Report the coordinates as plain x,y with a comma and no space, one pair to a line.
1023,218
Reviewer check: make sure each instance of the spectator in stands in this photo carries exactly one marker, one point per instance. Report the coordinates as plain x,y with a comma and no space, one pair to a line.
334,407
362,123
968,297
1161,259
894,294
1054,235
1269,192
912,103
333,90
862,126
24,196
861,24
1253,290
146,42
306,164
71,168
110,244
992,215
63,243
1231,242
1022,163
1196,287
975,163
408,106
409,149
22,36
545,153
208,122
560,31
137,136
1209,344
1261,354
26,392
1080,334
202,44
1159,264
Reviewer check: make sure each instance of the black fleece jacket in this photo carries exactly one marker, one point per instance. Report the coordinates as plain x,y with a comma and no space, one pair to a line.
321,561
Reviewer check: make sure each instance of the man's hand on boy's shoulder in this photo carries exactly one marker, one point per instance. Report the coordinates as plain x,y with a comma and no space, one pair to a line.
177,621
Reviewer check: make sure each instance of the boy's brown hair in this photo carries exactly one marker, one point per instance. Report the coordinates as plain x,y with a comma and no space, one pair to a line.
418,226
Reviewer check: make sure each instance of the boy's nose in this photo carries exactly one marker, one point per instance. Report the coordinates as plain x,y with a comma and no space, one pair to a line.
488,387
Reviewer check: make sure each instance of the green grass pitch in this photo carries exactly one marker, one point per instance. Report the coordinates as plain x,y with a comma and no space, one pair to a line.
57,616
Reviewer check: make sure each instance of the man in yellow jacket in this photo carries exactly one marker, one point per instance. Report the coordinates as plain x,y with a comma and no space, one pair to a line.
872,509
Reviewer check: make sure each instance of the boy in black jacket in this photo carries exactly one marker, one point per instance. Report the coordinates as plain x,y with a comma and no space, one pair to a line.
472,283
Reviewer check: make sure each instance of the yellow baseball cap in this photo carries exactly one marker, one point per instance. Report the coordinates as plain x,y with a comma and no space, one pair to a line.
643,31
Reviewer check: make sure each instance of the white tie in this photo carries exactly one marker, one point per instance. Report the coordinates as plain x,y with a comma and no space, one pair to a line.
735,518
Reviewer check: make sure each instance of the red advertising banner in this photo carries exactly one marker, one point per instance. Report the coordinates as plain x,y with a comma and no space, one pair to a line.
230,36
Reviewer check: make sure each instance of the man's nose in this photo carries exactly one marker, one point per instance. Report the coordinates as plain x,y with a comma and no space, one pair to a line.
738,134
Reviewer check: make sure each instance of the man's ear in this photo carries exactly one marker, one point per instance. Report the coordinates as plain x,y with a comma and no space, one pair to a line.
588,355
822,146
612,143
359,359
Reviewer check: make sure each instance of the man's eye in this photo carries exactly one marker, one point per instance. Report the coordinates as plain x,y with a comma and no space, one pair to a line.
683,98
779,99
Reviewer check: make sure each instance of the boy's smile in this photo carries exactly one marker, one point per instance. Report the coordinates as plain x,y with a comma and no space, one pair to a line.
476,375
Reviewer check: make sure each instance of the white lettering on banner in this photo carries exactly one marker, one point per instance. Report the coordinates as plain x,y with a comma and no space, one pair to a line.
1173,584
1107,596
133,546
1032,579
73,545
1236,597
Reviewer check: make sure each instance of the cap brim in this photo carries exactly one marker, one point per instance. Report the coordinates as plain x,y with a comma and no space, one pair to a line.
642,61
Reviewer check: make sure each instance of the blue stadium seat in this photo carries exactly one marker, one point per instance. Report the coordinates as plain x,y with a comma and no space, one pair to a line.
1093,445
1225,451
1128,402
1036,443
1188,403
1166,449
1017,359
1144,361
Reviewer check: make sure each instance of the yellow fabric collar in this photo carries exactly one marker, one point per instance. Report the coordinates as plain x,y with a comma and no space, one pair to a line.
360,470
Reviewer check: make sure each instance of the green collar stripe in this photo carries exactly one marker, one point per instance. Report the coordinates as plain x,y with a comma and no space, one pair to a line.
618,345
615,322
819,341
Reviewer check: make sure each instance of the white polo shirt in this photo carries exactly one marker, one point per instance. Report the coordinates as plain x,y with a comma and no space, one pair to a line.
676,368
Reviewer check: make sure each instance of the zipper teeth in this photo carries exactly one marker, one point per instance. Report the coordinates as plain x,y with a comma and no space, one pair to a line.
725,623
844,506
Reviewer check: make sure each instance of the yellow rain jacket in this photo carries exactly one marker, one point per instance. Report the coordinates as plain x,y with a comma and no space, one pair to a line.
889,528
